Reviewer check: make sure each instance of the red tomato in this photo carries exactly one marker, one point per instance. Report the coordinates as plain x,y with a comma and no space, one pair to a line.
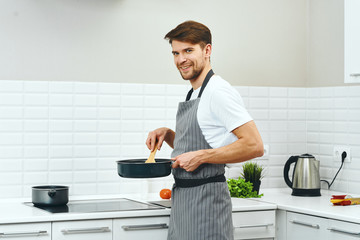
165,193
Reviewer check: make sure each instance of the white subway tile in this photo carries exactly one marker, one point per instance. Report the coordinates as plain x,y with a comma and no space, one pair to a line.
85,125
278,126
312,92
40,99
278,92
36,113
36,165
61,99
65,164
344,115
85,151
354,103
61,87
35,152
258,103
297,115
108,163
353,91
11,112
35,178
84,176
154,113
297,103
109,100
326,115
85,164
312,137
154,89
61,138
327,92
85,113
341,103
259,114
108,188
312,148
109,88
36,125
9,152
177,90
173,101
11,139
109,113
132,125
132,114
11,99
36,86
297,92
107,176
297,137
85,87
278,115
84,188
10,165
10,178
109,151
85,100
11,86
61,178
36,139
259,92
299,126
132,89
11,125
353,127
85,138
61,112
109,138
155,101
276,103
60,151
60,125
109,125
132,101
340,91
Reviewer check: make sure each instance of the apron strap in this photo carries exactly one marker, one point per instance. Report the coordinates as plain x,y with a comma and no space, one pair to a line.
193,182
207,78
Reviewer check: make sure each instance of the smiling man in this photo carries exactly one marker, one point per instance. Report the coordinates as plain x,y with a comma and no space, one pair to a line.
212,128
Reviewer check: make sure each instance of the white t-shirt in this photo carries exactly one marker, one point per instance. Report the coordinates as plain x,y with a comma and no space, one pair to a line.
221,110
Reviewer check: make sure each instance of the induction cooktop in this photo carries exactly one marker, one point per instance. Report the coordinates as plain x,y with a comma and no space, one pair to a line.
98,205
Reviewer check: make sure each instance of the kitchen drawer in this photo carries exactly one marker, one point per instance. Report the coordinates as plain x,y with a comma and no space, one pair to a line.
28,231
254,224
141,228
343,230
82,230
302,226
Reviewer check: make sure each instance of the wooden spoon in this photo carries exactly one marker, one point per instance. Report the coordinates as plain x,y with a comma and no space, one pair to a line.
151,158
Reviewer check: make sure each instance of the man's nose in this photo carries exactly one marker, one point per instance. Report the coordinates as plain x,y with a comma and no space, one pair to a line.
181,58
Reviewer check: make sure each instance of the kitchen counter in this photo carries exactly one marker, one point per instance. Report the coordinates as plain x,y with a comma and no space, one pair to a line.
15,211
318,206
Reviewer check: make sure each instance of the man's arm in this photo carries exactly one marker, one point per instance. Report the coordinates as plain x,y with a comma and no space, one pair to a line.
248,146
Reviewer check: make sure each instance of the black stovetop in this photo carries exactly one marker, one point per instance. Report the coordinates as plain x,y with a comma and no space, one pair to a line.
98,205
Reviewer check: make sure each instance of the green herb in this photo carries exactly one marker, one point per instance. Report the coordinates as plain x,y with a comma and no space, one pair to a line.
241,189
252,172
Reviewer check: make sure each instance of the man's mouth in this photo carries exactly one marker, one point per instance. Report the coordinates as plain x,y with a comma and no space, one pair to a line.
185,67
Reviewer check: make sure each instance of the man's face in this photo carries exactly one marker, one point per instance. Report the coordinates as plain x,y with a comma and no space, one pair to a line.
190,59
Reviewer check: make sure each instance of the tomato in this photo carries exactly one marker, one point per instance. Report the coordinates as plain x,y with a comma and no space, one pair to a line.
165,193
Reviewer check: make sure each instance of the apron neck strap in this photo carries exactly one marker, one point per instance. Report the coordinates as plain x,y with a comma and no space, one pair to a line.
206,80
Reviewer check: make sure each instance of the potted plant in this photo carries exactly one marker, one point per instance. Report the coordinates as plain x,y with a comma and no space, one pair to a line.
253,172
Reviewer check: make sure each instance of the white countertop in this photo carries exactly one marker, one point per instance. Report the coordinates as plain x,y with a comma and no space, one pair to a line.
15,211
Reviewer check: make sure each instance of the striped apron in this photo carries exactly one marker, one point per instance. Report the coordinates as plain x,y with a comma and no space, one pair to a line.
201,204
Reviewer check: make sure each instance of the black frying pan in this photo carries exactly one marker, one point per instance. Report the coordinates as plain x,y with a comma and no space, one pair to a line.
137,168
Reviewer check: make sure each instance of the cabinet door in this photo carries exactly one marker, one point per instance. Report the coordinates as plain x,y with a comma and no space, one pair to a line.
28,231
343,230
254,224
301,226
351,41
141,228
82,230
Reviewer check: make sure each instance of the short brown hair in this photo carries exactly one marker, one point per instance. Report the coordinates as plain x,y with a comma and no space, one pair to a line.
192,32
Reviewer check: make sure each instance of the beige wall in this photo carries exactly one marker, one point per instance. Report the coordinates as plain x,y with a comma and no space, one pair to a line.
255,42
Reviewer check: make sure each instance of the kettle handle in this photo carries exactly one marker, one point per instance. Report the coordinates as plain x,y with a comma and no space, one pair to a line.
292,159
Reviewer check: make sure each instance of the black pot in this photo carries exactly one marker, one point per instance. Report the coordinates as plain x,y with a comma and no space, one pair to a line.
137,168
256,186
50,195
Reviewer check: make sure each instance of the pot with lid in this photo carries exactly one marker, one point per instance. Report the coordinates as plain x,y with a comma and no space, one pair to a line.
50,195
305,177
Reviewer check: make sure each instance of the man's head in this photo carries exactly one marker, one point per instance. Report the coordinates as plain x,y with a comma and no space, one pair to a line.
191,32
191,47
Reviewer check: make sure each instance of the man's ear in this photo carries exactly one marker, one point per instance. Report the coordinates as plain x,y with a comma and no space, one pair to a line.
208,49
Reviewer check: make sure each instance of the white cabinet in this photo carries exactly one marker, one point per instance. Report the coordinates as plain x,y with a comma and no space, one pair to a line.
141,228
82,230
254,225
352,41
343,230
301,226
28,231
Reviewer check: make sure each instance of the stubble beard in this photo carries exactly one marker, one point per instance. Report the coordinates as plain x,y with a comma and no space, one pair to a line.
195,73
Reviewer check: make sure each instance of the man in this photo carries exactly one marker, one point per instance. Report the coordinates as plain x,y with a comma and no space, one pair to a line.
212,128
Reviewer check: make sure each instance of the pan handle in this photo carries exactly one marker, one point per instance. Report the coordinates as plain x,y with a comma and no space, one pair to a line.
52,193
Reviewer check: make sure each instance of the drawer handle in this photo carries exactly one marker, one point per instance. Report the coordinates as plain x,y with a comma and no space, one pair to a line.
305,224
355,75
22,234
144,227
85,230
255,226
344,231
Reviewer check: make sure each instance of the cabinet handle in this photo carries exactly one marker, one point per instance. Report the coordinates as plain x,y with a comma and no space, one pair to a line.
305,224
344,231
85,230
355,75
22,234
144,227
255,226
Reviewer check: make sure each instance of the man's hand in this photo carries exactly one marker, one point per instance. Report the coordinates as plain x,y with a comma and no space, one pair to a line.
188,161
160,135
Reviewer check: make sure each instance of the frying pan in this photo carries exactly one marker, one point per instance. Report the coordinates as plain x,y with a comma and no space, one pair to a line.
137,168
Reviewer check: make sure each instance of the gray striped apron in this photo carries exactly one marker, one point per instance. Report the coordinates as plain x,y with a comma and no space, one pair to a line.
201,204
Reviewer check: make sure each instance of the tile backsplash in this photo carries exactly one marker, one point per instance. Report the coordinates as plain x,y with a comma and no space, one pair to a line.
72,133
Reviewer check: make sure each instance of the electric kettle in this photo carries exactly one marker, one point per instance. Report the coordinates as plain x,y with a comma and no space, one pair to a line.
306,175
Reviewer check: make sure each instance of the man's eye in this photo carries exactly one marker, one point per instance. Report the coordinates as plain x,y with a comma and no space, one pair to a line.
175,53
188,50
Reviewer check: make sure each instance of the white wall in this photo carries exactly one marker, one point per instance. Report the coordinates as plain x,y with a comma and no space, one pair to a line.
255,43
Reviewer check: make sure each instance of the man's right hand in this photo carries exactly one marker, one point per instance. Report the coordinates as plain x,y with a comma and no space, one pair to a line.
160,135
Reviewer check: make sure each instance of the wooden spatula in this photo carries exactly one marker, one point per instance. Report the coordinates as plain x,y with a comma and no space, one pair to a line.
151,158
